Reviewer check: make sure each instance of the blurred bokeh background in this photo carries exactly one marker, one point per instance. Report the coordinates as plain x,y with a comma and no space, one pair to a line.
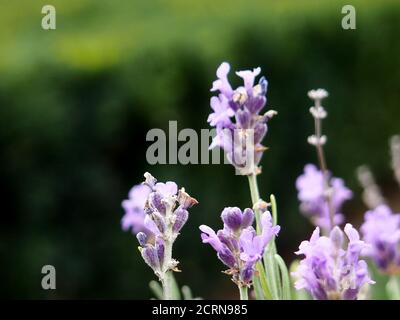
76,104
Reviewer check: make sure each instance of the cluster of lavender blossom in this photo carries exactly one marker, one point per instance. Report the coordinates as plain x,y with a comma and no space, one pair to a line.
240,139
156,212
332,267
329,271
238,246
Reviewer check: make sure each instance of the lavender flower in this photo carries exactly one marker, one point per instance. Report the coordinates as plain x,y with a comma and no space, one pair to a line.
312,195
381,229
237,244
240,139
157,212
330,272
321,195
134,209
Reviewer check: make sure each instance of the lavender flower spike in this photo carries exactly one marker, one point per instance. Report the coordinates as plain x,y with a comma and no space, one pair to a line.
312,195
329,271
236,116
381,229
237,244
321,195
160,212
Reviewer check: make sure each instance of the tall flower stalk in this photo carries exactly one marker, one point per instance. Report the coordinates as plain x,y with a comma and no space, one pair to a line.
318,140
321,195
241,127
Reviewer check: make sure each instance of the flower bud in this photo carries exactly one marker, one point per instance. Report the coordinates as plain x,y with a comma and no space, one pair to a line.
142,238
155,201
160,249
247,218
159,221
149,180
150,256
232,218
227,257
246,274
181,216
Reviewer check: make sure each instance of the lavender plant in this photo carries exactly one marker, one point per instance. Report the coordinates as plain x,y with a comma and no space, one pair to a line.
331,267
157,212
240,128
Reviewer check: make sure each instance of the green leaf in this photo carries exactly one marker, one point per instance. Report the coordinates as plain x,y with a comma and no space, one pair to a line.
176,293
274,209
271,275
258,289
286,294
187,293
263,281
157,290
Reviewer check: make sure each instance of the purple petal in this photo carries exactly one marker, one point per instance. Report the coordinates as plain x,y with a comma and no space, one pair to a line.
209,236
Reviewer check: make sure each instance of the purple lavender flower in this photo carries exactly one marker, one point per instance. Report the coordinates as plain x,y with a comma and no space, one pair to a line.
134,209
238,246
157,212
381,229
240,140
312,195
329,271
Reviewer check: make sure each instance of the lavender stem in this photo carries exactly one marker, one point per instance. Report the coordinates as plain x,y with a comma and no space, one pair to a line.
322,162
255,197
243,293
167,276
269,261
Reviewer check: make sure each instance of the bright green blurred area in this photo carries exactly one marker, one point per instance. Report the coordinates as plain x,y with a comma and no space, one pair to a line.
76,104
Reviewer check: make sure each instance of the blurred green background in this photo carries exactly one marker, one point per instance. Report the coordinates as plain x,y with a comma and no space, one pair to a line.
76,104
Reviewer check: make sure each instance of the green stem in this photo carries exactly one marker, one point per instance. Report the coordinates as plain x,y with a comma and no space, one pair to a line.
167,276
255,197
270,288
323,165
243,293
167,285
